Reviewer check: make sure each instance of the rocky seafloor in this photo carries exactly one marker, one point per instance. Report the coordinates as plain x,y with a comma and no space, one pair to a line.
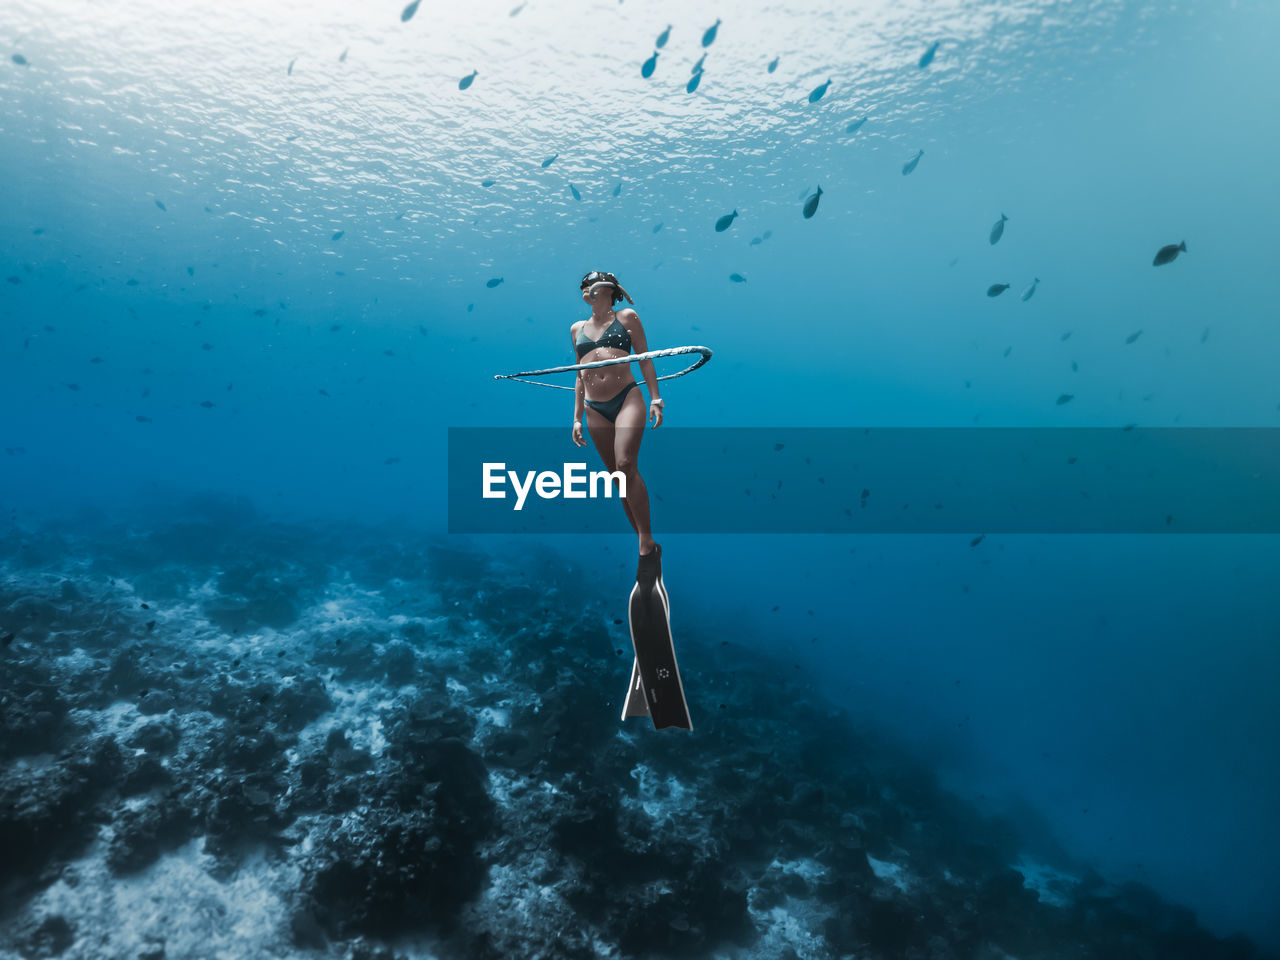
224,737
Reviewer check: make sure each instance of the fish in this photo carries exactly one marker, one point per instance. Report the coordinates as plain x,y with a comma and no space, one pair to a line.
37,231
773,64
817,92
191,271
697,67
618,189
692,85
470,307
574,190
141,419
323,392
207,404
657,227
811,205
709,37
650,65
407,13
1132,337
1075,367
737,278
516,10
338,235
1169,253
997,230
725,222
855,126
160,204
20,60
343,57
468,80
1065,398
131,282
911,164
1204,336
927,57
487,182
755,241
547,162
1030,292
291,63
494,282
663,37
996,289
767,234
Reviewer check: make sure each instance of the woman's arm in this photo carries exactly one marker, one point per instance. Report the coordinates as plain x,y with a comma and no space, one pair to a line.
631,321
579,385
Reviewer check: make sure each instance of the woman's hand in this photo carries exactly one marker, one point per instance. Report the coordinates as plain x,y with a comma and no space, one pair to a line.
577,434
655,413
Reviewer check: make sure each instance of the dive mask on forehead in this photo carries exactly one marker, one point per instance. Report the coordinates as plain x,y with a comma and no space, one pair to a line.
596,276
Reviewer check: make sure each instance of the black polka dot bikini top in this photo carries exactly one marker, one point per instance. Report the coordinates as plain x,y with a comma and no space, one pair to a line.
612,338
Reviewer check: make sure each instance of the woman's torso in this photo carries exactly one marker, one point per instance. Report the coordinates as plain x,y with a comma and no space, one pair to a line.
603,383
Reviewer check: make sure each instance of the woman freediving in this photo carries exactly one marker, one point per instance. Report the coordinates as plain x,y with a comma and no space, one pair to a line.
615,414
615,410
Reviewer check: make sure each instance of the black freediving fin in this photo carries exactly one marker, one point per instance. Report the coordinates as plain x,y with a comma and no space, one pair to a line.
655,687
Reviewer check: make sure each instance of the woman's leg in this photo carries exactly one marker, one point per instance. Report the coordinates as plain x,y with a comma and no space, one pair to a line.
627,434
602,435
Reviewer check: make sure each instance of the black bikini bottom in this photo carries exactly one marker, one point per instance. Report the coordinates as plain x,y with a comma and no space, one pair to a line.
609,408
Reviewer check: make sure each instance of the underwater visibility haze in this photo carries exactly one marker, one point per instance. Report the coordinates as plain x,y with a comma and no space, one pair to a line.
260,258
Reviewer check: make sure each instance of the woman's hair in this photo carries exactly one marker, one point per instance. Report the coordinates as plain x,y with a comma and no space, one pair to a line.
597,276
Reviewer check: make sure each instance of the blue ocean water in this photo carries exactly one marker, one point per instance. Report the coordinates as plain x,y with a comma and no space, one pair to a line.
247,253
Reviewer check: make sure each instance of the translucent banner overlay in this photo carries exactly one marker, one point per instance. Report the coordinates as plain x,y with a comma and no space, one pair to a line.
880,480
